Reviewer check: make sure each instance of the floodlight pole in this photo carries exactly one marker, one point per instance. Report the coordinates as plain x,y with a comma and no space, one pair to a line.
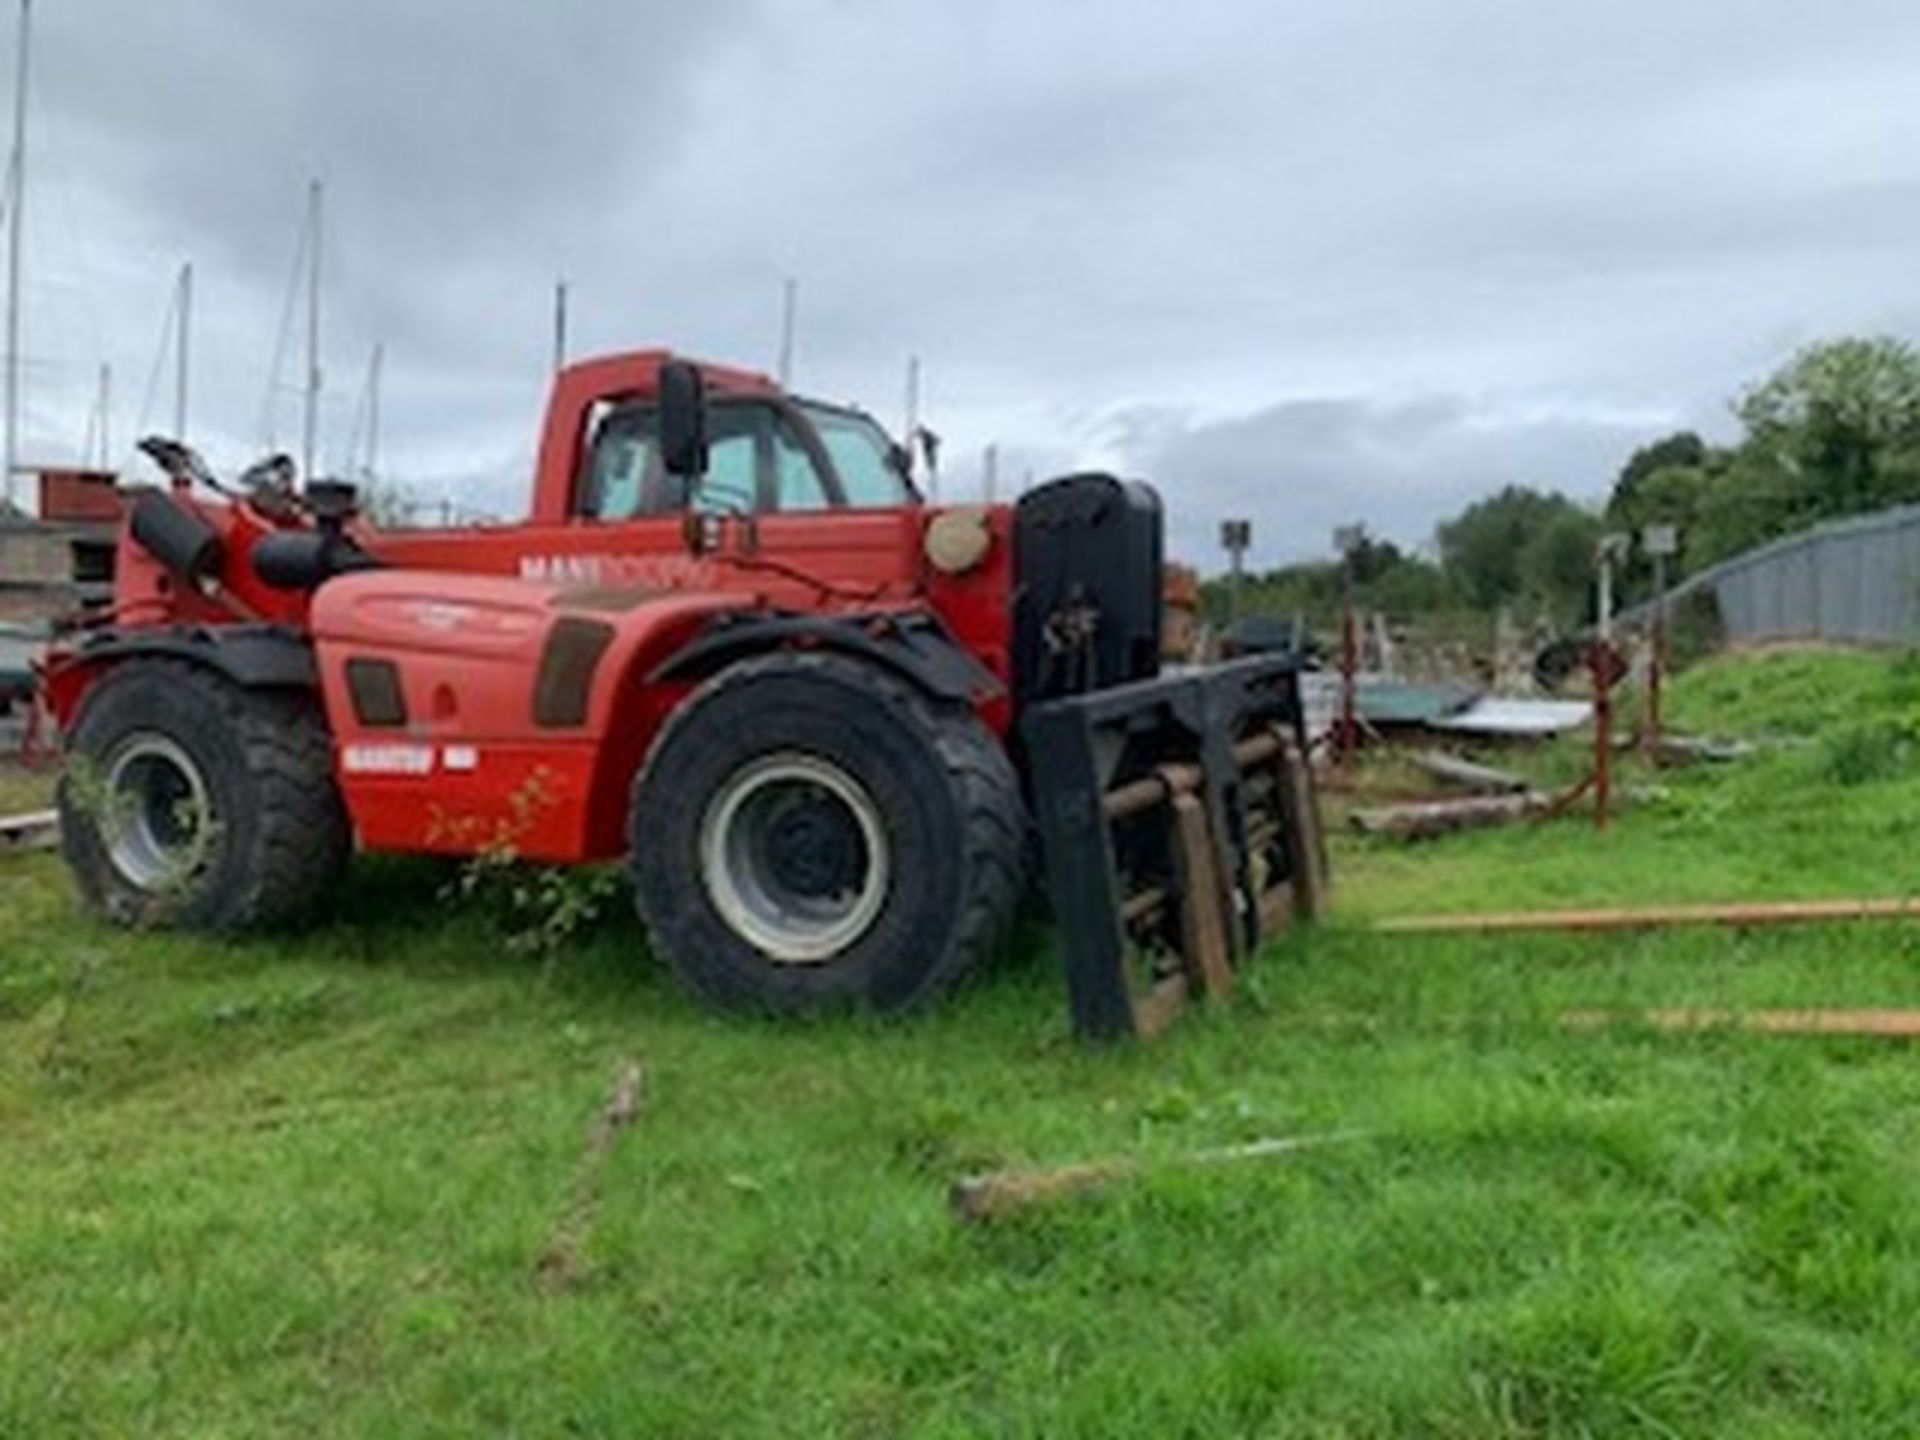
1349,667
1600,659
1347,540
1657,661
1659,541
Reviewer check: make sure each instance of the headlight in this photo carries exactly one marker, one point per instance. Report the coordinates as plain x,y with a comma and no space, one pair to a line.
958,540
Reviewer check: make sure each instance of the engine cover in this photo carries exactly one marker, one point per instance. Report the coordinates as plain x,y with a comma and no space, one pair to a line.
1087,603
479,713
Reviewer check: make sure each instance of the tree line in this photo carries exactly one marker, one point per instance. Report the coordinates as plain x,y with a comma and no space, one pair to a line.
1834,431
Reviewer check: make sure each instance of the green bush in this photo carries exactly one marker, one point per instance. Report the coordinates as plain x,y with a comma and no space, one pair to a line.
1863,753
1903,679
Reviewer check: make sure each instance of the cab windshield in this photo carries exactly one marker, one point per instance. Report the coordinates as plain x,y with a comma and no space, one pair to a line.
862,457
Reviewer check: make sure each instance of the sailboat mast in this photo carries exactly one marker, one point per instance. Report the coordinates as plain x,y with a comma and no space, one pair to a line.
103,403
181,343
15,205
911,427
373,409
311,419
789,315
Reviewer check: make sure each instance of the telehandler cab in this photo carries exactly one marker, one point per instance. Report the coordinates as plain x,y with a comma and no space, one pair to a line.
823,722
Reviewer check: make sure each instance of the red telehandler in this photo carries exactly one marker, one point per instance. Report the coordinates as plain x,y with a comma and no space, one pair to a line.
830,728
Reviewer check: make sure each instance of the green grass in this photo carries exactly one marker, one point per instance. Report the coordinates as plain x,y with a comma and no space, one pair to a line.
1829,807
301,1187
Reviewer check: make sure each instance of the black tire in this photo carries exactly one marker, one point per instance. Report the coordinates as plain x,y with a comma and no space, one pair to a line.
278,836
936,779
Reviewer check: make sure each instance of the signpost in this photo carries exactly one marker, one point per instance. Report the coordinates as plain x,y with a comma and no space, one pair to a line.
1612,550
1660,542
1348,539
1236,537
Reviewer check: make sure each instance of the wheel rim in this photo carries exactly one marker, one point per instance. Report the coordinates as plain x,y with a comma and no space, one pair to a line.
794,857
159,821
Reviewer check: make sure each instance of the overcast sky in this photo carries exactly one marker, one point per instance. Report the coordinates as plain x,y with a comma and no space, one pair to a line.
1305,262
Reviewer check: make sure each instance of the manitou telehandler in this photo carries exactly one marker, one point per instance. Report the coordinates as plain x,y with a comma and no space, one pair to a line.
731,645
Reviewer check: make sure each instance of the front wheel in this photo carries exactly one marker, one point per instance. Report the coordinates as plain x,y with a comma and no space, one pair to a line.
810,830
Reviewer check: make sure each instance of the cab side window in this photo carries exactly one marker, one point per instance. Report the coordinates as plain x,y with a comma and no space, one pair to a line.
755,463
797,481
624,477
734,443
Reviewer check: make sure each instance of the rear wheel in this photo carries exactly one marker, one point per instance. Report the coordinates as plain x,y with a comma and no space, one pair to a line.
810,830
191,803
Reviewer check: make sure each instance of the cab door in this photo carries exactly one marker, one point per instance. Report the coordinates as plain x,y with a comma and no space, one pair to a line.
772,503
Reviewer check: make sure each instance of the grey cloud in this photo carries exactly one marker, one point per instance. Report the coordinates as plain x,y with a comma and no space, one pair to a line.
1302,467
1117,232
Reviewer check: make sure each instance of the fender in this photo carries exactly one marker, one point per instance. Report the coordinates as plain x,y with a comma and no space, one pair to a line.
912,644
254,657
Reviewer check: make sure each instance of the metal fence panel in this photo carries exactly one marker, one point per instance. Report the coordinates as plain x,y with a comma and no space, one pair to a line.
1855,579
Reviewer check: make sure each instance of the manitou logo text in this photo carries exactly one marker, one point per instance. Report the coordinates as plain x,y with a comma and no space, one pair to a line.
665,571
411,760
588,569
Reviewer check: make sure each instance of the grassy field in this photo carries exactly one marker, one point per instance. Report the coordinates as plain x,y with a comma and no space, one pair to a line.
303,1187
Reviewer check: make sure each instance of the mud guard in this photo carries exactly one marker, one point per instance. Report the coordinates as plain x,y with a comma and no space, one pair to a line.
915,645
1180,832
251,656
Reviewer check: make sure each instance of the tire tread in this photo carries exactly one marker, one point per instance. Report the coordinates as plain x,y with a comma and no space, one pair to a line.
977,771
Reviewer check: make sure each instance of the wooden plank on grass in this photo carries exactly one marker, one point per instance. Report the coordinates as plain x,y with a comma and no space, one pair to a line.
1890,1024
559,1264
1425,819
1001,1193
1686,749
36,830
1480,779
1655,917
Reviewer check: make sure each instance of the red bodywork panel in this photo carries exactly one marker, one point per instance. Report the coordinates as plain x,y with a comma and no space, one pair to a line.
466,615
471,767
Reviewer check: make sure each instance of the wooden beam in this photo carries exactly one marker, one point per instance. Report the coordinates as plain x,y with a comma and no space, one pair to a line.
36,830
1464,774
1686,749
1160,1006
1306,837
559,1265
1889,1024
1424,819
1000,1193
1654,917
1204,947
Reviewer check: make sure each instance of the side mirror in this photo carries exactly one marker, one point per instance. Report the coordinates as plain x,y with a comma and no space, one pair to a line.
683,420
